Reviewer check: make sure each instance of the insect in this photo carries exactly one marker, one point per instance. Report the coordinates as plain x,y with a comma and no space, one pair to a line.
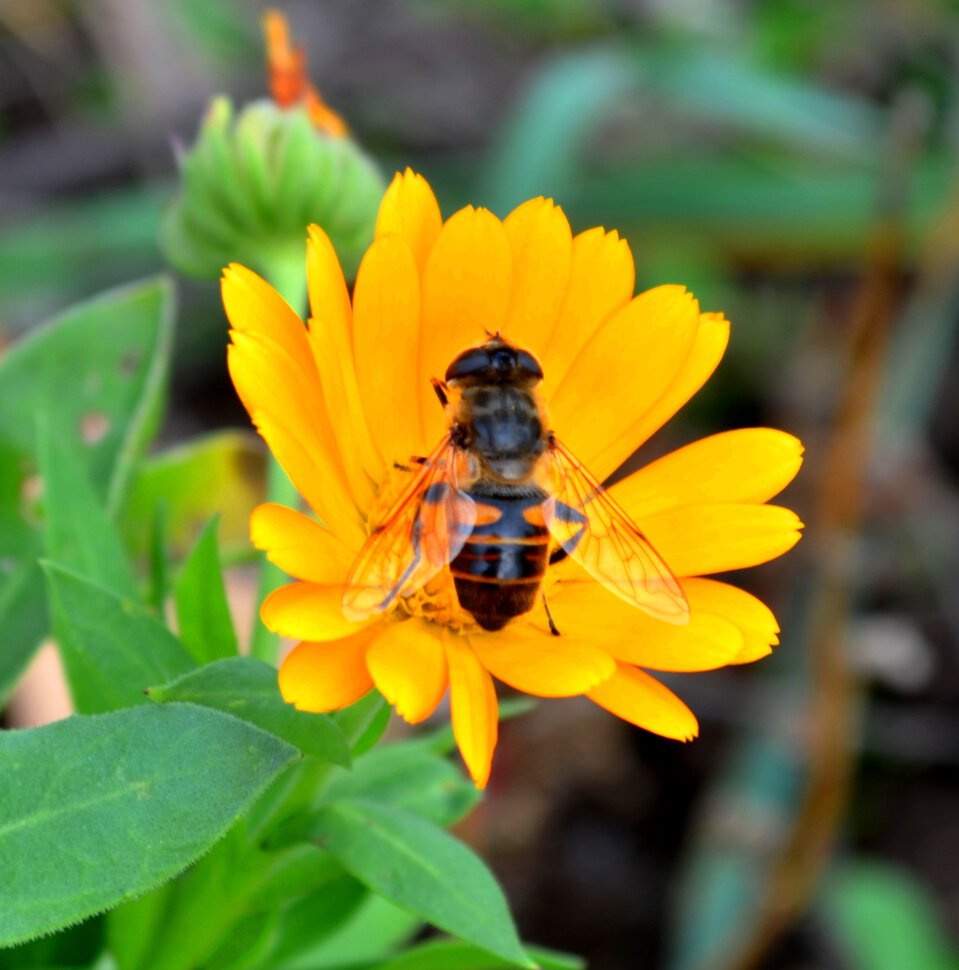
497,501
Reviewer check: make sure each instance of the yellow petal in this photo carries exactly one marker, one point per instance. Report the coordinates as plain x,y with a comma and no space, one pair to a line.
284,407
319,487
309,611
601,280
620,373
363,465
466,292
299,545
753,618
706,353
534,661
748,466
331,342
386,324
253,306
586,610
473,709
408,665
697,540
410,210
322,677
264,323
329,297
542,245
640,699
268,378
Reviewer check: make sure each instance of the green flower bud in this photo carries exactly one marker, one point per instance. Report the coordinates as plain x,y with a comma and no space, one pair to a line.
253,182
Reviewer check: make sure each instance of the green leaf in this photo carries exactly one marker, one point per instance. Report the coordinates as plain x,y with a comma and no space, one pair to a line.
74,946
249,944
247,688
728,90
113,649
23,619
133,926
231,883
67,245
158,590
375,929
96,376
223,472
421,868
364,722
453,955
77,532
885,919
96,810
203,613
309,921
410,777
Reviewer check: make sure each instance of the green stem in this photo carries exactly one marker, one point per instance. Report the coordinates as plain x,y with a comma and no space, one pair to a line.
279,489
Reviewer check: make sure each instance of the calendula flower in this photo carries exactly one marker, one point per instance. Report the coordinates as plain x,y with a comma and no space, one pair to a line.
344,400
254,178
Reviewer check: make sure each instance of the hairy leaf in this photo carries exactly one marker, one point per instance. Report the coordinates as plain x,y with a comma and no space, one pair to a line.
247,688
96,810
419,867
113,649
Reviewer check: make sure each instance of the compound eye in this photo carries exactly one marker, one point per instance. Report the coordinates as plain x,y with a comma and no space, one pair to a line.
529,365
468,364
503,360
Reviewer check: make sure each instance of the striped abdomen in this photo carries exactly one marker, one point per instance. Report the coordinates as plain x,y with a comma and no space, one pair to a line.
501,565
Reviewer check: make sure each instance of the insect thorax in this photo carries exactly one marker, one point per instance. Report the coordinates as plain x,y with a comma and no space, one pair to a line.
504,425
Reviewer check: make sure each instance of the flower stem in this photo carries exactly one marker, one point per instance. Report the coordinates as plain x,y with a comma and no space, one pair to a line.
279,489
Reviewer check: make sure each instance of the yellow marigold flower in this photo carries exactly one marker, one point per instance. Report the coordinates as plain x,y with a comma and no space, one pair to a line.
342,400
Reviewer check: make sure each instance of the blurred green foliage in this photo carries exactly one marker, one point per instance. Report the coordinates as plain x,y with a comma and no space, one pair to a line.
885,919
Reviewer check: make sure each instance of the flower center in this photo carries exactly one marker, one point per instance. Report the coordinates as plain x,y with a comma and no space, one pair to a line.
436,602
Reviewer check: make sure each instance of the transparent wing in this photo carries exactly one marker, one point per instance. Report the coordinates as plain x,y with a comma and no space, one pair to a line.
422,532
592,529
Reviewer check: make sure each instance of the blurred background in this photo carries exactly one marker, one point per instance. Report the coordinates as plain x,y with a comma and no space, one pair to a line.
795,165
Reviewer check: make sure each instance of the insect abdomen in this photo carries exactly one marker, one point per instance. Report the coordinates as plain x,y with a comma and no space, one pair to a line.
501,565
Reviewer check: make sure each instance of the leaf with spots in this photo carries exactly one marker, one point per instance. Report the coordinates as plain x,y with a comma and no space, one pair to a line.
96,377
221,473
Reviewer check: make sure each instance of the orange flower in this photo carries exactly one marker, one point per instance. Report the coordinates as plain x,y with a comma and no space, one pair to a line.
289,84
342,400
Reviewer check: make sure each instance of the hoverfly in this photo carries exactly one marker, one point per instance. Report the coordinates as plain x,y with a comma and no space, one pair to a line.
497,501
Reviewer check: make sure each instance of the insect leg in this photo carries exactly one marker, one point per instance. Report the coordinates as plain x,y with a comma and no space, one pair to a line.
549,618
414,460
440,388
